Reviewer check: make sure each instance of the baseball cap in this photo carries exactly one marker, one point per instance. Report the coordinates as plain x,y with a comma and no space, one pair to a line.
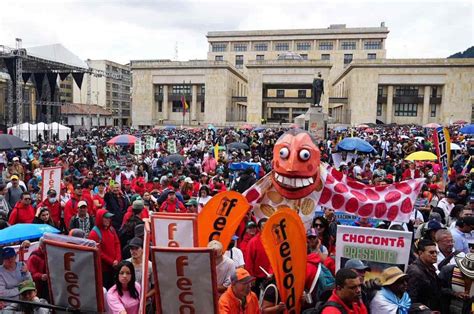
78,187
171,191
434,225
82,203
241,276
14,177
138,204
312,232
16,159
204,174
251,224
471,198
156,179
235,237
136,242
108,215
51,192
188,180
451,195
8,252
192,202
26,285
356,264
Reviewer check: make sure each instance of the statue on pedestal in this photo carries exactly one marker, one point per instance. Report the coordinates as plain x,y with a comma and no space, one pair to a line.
317,91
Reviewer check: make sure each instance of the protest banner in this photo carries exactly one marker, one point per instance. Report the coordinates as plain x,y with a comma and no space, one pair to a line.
284,240
442,144
138,147
174,230
51,179
69,284
172,147
185,280
150,142
378,248
345,218
220,217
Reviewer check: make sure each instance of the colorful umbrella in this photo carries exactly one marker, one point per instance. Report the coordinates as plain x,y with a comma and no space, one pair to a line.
369,130
174,158
355,144
467,129
340,128
123,140
362,126
461,122
432,125
421,156
20,232
237,145
170,127
246,127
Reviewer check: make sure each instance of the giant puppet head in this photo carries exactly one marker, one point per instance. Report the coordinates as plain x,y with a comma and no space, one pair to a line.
296,160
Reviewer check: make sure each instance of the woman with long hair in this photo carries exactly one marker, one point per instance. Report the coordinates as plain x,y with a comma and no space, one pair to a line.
322,226
124,296
43,217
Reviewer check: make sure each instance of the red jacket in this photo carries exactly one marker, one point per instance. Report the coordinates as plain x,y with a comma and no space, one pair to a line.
256,257
22,214
70,209
150,186
357,307
242,244
129,213
86,196
37,267
54,210
171,207
108,242
407,174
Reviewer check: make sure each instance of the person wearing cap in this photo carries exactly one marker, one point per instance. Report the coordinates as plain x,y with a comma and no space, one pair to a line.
18,168
28,293
135,247
457,282
447,203
12,273
464,226
136,209
248,231
71,207
234,253
53,205
23,212
154,185
109,245
172,203
129,172
192,206
118,176
14,191
239,298
117,204
423,283
431,228
82,220
392,298
314,244
224,266
460,190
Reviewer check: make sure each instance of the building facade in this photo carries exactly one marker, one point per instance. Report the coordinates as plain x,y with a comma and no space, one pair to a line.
111,91
66,89
83,116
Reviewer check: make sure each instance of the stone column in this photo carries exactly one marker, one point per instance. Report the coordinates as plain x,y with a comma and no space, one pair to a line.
165,102
426,104
194,103
389,104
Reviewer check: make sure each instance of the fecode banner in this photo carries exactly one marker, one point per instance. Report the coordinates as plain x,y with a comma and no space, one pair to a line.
185,280
282,239
220,217
51,179
378,248
75,276
174,230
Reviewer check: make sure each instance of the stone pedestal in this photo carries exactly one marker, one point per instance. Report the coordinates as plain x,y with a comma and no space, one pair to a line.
315,122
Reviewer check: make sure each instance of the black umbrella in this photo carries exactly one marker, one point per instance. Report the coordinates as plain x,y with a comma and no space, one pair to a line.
11,142
174,158
237,145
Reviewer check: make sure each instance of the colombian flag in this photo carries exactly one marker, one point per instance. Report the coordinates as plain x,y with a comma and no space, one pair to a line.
185,104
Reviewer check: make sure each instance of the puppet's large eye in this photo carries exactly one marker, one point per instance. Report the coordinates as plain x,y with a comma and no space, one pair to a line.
284,153
305,154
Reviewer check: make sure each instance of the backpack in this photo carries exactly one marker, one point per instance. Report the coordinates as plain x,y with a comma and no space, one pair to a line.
322,286
262,294
99,233
320,306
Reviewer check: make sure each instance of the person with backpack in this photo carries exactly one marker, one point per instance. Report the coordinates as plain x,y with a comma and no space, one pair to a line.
172,204
132,219
319,281
109,245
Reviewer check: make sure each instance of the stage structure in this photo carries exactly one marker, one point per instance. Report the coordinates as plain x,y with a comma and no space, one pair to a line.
41,66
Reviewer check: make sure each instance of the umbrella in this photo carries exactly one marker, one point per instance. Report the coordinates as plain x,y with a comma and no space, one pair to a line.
467,129
432,125
422,155
246,127
259,129
419,138
369,130
170,127
362,126
20,232
455,146
340,128
122,140
355,144
237,145
8,142
460,122
404,137
174,158
211,127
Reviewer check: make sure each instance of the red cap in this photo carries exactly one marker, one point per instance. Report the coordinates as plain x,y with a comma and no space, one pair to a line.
126,182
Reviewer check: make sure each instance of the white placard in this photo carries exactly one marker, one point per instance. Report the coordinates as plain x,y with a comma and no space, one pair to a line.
51,179
174,230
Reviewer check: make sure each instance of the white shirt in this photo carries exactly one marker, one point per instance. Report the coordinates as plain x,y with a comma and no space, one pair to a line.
224,270
237,256
446,207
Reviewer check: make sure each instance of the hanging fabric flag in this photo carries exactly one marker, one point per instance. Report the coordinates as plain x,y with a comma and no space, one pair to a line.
185,104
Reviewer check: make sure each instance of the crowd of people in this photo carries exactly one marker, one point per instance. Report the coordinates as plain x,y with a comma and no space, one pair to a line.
107,192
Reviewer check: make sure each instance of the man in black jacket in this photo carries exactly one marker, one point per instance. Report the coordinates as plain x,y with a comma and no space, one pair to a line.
246,180
117,204
423,283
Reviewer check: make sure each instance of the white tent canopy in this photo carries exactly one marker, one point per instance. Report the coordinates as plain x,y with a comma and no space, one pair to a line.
30,132
62,130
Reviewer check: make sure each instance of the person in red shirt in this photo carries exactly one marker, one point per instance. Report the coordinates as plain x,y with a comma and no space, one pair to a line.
87,196
346,297
138,185
70,209
138,209
109,245
411,172
256,257
152,186
54,207
23,212
98,198
172,204
37,268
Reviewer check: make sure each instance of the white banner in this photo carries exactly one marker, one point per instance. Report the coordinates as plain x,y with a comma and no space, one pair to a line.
172,147
174,230
74,273
150,142
138,147
185,280
51,179
378,248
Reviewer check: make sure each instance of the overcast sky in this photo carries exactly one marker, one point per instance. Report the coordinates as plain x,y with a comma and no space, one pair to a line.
130,30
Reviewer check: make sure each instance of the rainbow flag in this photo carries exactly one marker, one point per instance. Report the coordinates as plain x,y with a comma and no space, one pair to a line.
185,104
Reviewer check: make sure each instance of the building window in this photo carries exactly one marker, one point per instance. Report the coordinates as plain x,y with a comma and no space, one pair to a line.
304,56
181,89
219,58
347,58
371,56
219,47
282,46
260,47
434,91
326,56
177,106
239,61
260,57
202,106
433,110
240,47
302,93
160,106
406,110
280,93
406,90
160,89
348,45
326,45
379,110
280,114
372,45
381,91
303,46
82,120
